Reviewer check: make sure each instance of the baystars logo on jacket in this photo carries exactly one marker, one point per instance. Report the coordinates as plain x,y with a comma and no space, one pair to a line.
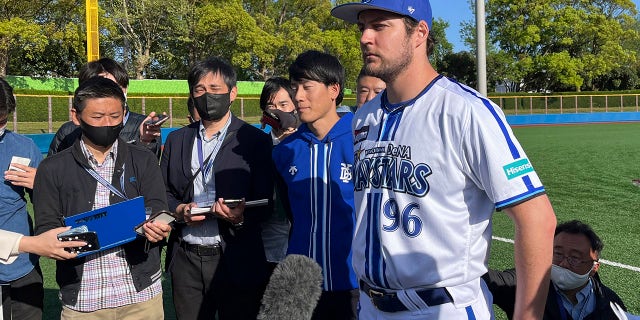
345,172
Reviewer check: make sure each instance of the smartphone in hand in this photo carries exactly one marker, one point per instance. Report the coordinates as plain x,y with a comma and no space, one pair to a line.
161,119
163,216
80,234
232,203
196,211
19,160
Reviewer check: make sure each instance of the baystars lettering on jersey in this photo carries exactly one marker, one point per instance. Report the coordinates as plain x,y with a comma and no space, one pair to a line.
428,175
391,168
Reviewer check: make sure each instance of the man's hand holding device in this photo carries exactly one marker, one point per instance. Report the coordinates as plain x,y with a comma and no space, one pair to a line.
228,209
18,160
157,121
48,245
232,210
19,173
150,127
192,214
90,238
157,226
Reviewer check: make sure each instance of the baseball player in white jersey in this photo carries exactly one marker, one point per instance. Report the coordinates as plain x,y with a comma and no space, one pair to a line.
433,159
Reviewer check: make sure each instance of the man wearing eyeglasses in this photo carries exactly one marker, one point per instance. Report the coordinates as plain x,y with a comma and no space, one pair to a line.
576,292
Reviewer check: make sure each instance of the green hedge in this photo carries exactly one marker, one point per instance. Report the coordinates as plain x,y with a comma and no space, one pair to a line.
147,87
35,108
156,95
32,108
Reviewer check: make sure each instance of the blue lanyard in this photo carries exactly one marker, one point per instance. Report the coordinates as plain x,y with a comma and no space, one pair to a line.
207,165
105,183
126,117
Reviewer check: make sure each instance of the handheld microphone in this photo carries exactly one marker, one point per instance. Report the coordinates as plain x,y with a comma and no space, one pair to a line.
293,290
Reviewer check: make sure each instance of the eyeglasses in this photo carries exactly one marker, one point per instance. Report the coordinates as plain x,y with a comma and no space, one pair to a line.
572,261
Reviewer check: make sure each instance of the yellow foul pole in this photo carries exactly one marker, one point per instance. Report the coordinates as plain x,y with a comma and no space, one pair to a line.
93,43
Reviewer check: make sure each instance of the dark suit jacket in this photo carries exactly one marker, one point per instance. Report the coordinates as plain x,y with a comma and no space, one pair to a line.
502,285
242,169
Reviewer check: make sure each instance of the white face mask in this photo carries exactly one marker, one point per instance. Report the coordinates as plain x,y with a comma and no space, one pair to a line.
566,279
2,130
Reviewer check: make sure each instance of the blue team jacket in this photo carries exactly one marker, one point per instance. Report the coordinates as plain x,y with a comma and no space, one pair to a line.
316,177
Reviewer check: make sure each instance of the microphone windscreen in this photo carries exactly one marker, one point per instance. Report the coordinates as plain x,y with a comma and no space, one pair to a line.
293,290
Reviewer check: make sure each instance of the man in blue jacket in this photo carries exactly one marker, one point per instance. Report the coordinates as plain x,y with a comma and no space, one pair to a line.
314,176
21,282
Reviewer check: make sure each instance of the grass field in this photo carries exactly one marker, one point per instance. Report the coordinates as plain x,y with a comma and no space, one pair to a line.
587,171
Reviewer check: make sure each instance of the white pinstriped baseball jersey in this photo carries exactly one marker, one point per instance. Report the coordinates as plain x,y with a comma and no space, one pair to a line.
428,175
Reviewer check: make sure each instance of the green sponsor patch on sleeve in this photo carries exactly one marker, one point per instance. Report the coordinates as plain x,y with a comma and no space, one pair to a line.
517,168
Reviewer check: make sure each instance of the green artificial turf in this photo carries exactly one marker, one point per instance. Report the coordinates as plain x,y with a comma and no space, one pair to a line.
587,172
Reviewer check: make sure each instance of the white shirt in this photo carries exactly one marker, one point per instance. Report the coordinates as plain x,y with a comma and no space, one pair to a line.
204,187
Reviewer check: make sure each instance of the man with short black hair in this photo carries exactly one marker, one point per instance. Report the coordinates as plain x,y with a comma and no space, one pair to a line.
576,291
278,108
279,112
314,171
216,256
98,170
135,129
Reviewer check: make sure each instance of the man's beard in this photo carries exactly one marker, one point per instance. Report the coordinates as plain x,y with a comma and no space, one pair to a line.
388,71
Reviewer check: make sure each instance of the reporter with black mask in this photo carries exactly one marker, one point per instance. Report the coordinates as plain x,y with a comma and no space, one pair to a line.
279,112
216,256
278,108
99,170
137,128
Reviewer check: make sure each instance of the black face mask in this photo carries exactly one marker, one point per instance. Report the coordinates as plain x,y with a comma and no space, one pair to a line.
101,136
212,107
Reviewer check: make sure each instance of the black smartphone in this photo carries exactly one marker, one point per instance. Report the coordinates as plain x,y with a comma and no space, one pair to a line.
164,216
256,203
90,237
161,119
200,211
232,203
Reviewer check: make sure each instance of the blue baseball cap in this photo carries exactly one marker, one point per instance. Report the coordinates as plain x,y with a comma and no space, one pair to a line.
414,9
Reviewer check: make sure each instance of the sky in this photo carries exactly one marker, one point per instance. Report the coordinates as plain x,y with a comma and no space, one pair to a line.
456,11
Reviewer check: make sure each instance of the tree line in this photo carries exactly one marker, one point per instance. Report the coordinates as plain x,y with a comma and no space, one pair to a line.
556,45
